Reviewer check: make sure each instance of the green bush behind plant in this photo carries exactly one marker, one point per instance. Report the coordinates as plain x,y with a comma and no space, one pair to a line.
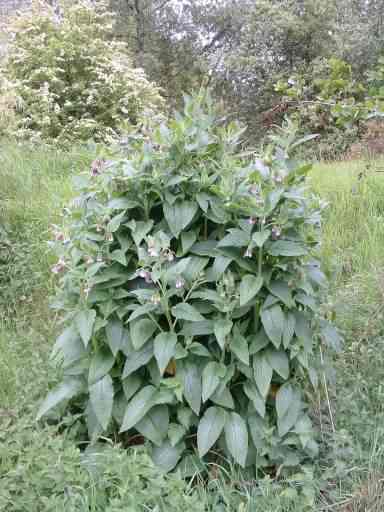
69,79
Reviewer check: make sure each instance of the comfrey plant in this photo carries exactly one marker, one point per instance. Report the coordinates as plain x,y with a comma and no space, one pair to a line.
190,296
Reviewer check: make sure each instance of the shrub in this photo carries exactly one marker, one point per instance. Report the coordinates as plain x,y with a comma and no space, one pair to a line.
73,82
191,297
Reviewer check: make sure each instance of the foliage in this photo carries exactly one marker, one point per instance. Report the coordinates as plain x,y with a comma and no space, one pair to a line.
73,82
327,99
190,296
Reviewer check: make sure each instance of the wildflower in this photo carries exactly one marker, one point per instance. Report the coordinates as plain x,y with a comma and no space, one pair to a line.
97,166
153,252
251,221
278,178
155,299
180,283
248,253
170,256
276,233
87,289
99,228
59,267
109,237
99,259
88,260
144,274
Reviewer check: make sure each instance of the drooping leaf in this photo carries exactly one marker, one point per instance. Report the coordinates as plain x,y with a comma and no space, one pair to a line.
253,394
84,321
249,287
101,397
236,437
164,349
154,425
239,346
115,222
284,398
176,433
140,229
101,363
263,373
69,346
114,332
235,238
287,421
223,397
179,215
69,388
137,358
330,335
184,311
273,321
138,407
141,331
130,385
281,290
289,329
260,237
287,248
210,427
222,328
212,374
142,311
187,240
191,377
278,360
167,456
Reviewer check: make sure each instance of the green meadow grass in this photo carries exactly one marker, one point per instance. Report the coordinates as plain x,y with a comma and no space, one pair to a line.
35,186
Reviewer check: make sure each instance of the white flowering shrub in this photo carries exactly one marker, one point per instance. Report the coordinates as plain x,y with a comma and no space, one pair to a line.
73,82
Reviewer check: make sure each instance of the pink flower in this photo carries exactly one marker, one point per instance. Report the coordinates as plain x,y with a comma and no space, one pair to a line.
59,267
251,221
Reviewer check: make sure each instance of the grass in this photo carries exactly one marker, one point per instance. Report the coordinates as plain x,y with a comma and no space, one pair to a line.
41,469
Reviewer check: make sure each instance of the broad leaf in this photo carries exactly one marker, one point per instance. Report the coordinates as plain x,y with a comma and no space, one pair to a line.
69,388
239,346
235,238
101,363
101,397
137,359
330,335
284,398
212,374
184,311
281,290
130,385
260,237
223,398
236,437
287,248
154,425
210,427
84,321
167,456
164,349
278,360
141,330
273,321
114,332
253,394
138,407
222,328
289,329
191,377
179,215
263,373
249,287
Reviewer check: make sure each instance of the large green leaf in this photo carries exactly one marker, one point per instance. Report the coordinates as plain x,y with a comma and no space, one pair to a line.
236,437
212,374
260,237
138,358
290,402
222,328
210,427
114,332
253,394
179,215
281,290
141,330
235,238
278,360
69,388
191,377
101,397
154,425
138,407
289,329
101,363
164,349
141,311
223,397
273,321
140,229
69,346
239,346
167,456
84,321
284,398
249,287
130,385
263,373
184,311
287,248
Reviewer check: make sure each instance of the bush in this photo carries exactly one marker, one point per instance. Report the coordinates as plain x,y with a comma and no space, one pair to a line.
191,297
72,81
